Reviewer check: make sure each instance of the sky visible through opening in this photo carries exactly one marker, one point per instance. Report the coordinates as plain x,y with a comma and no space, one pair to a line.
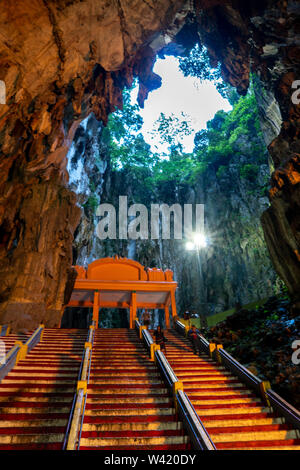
179,94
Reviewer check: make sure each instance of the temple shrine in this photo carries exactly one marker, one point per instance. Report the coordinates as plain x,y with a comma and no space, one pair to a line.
124,283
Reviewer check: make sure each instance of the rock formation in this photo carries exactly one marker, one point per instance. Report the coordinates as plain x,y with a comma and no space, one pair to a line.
62,60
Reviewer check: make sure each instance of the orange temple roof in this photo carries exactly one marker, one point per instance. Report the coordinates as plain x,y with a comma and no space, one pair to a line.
123,283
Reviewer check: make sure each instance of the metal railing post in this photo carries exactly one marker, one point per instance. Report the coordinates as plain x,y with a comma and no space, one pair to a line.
77,411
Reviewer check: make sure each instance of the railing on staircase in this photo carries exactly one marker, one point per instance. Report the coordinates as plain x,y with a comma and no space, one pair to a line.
169,375
191,421
199,436
34,339
284,408
263,388
19,351
244,374
4,330
147,338
75,422
9,361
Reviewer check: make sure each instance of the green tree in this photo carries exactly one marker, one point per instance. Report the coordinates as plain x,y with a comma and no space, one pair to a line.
226,134
124,140
249,172
171,130
197,64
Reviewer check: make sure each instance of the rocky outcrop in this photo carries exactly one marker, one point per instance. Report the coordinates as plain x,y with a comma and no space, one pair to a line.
62,60
269,113
36,272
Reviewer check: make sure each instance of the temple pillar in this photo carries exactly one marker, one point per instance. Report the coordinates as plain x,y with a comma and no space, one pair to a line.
96,309
167,317
173,304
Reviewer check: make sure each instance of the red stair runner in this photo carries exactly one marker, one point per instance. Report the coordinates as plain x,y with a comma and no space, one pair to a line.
128,407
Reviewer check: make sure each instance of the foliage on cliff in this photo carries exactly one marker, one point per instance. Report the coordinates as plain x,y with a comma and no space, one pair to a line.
216,145
197,64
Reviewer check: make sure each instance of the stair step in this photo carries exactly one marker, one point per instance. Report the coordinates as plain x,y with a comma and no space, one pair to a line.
147,447
201,409
7,388
209,380
135,441
206,375
33,407
235,415
258,427
33,423
130,368
123,375
31,438
131,434
15,417
129,385
126,391
218,386
137,418
41,381
46,370
133,426
288,444
19,374
254,436
40,399
219,392
28,429
219,399
129,399
126,411
122,381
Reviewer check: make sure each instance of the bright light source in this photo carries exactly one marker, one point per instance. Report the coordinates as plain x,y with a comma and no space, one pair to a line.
190,246
200,240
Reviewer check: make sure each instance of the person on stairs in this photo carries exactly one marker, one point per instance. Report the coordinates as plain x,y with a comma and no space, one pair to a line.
187,317
146,319
193,336
160,338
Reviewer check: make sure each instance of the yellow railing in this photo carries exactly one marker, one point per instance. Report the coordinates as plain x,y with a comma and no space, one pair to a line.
19,351
4,330
25,348
73,439
198,434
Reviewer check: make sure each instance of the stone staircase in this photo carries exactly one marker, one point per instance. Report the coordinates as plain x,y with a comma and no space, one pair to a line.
36,396
128,406
233,415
